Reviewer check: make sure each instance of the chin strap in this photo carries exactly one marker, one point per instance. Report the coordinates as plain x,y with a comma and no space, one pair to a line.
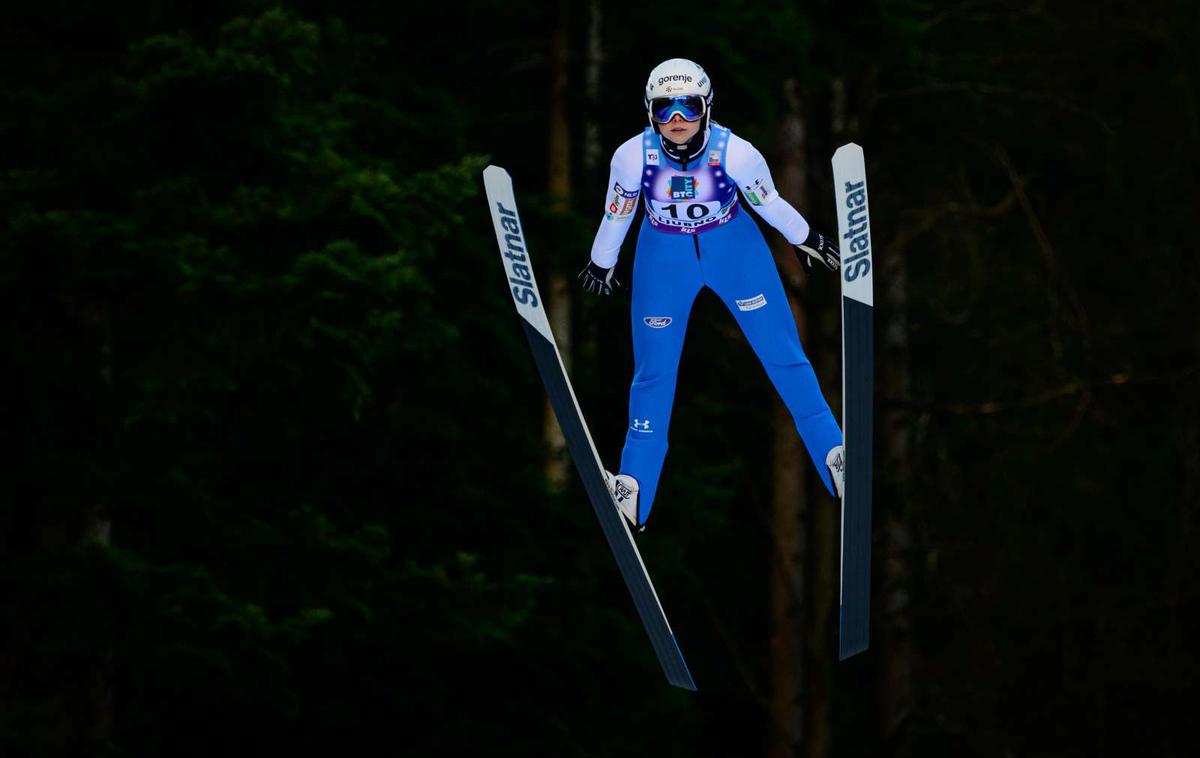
688,151
691,149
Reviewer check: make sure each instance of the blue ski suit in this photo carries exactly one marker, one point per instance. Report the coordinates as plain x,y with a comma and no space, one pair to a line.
694,236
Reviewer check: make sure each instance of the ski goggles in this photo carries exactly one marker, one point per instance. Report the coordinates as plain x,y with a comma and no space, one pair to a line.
663,109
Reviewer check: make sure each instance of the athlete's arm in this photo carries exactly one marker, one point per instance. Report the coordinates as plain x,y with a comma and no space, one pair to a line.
749,169
621,201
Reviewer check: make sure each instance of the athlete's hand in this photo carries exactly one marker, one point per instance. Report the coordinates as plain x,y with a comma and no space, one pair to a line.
599,280
820,248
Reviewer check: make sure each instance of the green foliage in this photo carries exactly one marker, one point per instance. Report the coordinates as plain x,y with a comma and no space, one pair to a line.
253,294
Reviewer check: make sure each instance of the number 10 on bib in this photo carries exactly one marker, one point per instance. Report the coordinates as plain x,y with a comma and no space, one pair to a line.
858,368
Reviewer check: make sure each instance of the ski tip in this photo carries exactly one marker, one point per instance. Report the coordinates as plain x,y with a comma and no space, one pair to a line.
494,171
849,146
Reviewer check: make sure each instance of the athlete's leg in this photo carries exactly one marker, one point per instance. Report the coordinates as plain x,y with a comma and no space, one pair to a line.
738,266
666,280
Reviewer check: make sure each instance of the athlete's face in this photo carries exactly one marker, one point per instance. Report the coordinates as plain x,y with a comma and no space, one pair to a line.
679,131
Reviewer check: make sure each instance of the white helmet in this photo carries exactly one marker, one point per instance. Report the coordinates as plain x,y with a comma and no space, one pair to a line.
679,78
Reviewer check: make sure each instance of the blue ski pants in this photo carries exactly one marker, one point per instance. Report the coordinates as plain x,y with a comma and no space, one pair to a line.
669,271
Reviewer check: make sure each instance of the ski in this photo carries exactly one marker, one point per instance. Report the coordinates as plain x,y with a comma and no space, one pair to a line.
514,255
858,367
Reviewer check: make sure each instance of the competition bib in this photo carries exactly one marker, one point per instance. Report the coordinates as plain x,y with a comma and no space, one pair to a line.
692,201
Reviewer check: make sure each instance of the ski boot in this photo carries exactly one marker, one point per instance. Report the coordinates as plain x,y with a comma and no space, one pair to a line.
837,469
624,489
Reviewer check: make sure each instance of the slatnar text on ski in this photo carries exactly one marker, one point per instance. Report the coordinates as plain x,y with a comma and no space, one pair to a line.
857,232
520,275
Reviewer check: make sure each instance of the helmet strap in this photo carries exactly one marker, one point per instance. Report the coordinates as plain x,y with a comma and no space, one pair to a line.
690,150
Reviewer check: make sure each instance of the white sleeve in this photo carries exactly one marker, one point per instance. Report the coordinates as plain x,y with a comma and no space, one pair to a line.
749,169
621,201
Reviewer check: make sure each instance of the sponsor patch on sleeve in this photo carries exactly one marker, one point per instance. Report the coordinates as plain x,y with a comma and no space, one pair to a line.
622,203
760,192
622,192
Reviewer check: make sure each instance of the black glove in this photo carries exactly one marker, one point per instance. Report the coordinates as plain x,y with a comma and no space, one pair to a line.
818,246
598,280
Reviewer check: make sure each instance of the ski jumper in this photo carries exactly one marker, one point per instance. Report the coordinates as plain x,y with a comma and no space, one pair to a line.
694,236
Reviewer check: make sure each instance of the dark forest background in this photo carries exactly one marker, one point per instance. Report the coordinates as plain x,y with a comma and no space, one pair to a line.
279,477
